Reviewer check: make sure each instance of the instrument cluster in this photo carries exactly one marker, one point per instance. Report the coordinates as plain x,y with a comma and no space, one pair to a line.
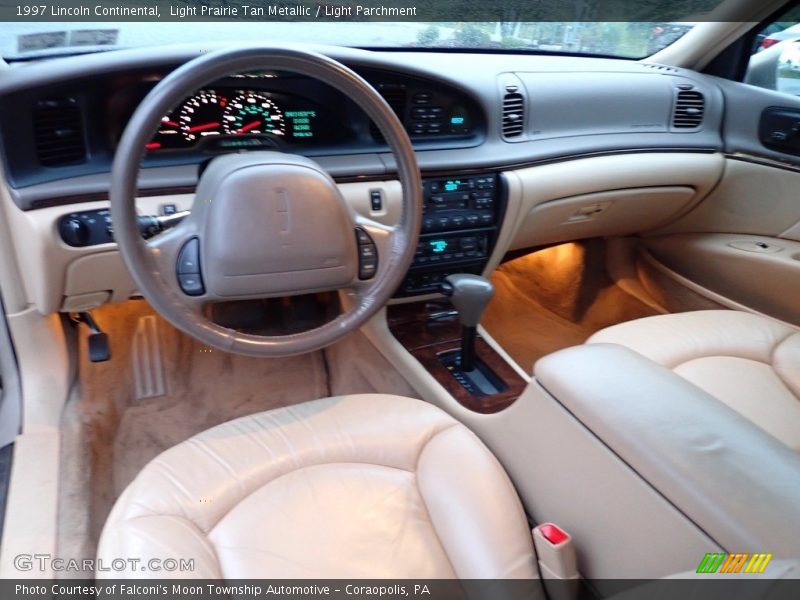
237,118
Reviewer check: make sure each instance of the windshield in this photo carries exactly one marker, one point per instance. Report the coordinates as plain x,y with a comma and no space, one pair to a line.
626,40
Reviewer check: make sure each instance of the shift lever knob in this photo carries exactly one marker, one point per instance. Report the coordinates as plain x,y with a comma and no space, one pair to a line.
469,294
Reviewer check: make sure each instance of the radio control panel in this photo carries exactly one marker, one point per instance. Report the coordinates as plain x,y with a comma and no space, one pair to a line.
459,229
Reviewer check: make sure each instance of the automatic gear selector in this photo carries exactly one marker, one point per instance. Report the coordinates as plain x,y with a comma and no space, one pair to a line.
470,294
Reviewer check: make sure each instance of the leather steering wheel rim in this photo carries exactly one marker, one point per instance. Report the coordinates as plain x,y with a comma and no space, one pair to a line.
143,260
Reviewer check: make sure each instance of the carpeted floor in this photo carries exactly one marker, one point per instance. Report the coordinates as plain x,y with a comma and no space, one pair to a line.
556,298
109,434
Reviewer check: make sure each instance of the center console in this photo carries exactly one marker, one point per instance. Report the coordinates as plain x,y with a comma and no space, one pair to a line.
459,230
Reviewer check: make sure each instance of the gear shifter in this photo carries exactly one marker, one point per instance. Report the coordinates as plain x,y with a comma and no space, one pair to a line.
469,294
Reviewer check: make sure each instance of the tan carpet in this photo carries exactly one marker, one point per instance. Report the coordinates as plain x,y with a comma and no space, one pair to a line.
203,388
556,298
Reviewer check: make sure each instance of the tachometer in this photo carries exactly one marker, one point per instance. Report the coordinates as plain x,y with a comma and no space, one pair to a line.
201,115
250,113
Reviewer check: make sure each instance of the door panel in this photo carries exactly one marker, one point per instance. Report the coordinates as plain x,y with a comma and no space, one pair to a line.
760,272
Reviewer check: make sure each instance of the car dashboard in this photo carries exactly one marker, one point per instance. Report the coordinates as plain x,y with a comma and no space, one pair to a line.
517,151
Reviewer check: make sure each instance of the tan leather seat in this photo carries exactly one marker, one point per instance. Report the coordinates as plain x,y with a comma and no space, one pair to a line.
367,486
749,362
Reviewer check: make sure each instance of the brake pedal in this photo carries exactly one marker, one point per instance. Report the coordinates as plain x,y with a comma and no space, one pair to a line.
99,349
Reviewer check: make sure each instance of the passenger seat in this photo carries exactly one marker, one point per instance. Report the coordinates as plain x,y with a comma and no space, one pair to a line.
749,362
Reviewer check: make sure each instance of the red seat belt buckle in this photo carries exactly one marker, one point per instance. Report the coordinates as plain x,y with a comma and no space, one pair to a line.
557,561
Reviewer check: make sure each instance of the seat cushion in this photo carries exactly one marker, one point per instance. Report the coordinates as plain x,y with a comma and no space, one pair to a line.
365,486
749,362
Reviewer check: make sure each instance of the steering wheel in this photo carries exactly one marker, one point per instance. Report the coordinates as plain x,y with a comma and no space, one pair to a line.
265,223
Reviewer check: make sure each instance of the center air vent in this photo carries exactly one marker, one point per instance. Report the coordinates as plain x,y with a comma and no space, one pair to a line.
513,114
58,132
395,96
689,109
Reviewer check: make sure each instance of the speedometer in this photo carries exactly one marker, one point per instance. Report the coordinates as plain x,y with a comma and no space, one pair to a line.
201,115
250,113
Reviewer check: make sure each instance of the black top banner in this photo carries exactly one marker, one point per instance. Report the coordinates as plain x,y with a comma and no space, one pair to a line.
452,11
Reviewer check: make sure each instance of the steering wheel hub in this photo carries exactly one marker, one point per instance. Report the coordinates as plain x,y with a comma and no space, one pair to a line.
271,224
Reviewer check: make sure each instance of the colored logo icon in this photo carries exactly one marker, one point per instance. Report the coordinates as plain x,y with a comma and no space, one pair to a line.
741,562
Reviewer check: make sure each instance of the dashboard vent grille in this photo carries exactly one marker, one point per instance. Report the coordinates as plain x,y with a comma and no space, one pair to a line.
657,67
689,109
513,114
58,132
395,96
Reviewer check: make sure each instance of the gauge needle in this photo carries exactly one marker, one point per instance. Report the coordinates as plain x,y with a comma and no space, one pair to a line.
203,127
248,127
171,123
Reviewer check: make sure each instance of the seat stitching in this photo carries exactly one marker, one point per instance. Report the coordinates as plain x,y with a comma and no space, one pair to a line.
508,483
778,345
424,444
202,534
422,496
770,365
684,362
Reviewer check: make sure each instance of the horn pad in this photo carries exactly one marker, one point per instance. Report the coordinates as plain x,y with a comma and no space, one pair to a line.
273,223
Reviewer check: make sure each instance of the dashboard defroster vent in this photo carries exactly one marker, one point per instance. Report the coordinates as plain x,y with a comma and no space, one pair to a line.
689,109
58,132
395,96
513,114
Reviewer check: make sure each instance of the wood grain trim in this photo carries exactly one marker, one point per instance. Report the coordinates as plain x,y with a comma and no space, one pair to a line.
426,340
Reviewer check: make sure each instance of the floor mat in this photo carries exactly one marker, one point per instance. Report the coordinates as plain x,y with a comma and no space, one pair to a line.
556,298
203,387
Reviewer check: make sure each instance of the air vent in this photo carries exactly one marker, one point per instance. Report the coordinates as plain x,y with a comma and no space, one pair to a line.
58,132
689,108
513,114
395,96
662,68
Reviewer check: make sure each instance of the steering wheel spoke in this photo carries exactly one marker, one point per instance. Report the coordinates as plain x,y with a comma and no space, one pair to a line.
176,255
377,243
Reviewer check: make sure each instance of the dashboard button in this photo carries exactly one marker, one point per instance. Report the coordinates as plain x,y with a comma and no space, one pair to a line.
367,252
189,257
362,237
469,243
75,232
422,98
191,284
376,200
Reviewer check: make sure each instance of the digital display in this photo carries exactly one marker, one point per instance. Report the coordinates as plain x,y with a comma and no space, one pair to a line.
455,185
301,123
438,246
